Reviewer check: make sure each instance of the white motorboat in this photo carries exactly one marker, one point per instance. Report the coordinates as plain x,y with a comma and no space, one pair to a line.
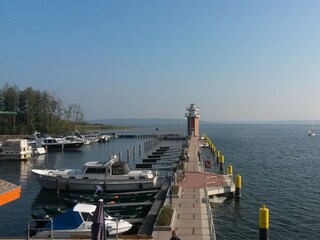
111,176
311,133
76,222
15,149
56,144
60,144
36,148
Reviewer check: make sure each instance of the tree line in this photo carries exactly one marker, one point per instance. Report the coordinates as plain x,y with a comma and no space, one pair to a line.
29,110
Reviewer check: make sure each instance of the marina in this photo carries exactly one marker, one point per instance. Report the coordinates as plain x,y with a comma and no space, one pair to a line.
102,137
189,206
95,173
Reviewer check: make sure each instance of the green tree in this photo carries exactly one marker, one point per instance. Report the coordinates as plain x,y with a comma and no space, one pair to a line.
36,111
9,99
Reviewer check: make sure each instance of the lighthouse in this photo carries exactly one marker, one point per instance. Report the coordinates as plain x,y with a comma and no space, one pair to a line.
193,120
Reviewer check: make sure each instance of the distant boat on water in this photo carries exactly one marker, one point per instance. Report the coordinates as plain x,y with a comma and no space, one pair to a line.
311,133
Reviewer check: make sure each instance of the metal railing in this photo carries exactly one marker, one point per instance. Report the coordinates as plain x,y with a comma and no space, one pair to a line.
36,229
210,216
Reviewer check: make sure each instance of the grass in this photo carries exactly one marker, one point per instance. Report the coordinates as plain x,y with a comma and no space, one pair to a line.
165,216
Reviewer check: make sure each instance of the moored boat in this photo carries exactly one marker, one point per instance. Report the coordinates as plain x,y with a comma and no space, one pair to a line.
113,207
15,149
132,216
36,147
137,196
60,144
111,176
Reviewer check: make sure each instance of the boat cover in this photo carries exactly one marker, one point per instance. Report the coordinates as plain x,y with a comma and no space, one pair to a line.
68,220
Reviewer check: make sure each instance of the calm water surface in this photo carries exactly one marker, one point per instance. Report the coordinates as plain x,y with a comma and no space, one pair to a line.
279,165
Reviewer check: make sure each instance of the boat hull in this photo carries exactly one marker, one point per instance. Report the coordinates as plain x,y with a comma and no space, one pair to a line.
90,185
63,146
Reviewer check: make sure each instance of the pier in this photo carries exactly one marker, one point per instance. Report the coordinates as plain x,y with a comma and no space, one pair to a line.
160,136
193,219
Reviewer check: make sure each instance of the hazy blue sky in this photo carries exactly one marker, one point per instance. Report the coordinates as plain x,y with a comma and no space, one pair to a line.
236,60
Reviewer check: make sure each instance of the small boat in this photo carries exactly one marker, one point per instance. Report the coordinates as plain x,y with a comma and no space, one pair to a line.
61,144
50,212
311,133
111,176
76,222
113,207
15,149
56,144
137,212
216,199
36,148
137,196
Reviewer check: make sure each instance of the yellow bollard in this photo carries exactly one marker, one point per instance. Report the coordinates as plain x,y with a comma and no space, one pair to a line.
221,163
221,159
264,223
230,170
218,157
238,186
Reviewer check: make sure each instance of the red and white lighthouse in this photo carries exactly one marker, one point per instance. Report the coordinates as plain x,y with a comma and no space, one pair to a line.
193,120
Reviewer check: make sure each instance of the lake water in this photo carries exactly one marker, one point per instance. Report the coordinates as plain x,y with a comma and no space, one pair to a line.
279,165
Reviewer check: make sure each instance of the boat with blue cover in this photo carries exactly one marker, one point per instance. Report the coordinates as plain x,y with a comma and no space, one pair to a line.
114,206
76,222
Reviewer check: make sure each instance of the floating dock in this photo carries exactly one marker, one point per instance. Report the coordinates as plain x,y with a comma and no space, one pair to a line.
8,192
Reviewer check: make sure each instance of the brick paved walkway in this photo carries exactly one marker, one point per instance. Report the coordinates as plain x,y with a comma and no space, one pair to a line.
192,214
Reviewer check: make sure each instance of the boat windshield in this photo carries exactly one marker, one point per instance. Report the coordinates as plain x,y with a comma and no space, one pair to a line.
120,168
87,216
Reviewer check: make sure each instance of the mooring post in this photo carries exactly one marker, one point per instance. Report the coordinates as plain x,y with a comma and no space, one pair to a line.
222,164
57,182
128,155
238,186
264,223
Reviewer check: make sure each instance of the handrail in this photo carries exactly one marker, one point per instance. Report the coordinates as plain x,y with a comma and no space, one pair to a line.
210,216
37,228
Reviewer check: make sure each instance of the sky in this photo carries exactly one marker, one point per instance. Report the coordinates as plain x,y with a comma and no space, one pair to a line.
245,60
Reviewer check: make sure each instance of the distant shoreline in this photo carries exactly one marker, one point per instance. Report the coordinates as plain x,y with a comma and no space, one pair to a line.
99,126
83,128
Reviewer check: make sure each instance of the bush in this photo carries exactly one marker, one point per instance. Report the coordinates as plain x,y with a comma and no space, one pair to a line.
165,215
182,157
180,166
175,190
